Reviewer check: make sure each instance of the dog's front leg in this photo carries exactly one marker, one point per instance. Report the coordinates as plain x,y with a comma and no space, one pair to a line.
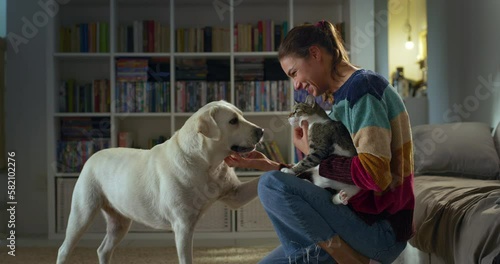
184,242
242,194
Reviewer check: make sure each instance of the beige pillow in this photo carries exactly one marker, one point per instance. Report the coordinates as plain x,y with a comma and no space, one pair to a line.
462,149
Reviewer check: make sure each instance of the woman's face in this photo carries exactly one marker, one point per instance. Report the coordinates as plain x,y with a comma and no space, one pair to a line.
307,73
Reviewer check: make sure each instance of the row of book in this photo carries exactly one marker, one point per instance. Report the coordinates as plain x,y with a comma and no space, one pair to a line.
84,97
85,37
262,96
192,95
144,36
151,97
266,35
272,151
72,155
206,39
84,128
152,36
142,96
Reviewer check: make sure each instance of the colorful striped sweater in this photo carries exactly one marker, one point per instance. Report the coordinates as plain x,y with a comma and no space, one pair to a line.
377,119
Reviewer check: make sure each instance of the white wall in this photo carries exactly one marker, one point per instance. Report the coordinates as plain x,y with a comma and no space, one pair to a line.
381,18
362,33
3,17
25,119
464,58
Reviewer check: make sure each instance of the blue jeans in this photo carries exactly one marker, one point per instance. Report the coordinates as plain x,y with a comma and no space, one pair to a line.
303,215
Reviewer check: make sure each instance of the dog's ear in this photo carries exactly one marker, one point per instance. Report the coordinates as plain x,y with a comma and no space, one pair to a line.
207,125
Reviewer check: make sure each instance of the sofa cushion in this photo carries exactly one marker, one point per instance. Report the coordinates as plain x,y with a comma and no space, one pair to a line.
463,149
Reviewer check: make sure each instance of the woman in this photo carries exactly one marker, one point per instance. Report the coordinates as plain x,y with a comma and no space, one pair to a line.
378,220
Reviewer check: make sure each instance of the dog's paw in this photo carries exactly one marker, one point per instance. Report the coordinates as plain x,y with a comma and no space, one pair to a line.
287,170
340,198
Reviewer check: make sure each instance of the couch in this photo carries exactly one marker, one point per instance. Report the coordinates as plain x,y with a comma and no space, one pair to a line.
457,194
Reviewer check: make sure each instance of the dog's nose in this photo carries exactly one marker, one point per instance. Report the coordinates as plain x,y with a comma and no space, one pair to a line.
259,132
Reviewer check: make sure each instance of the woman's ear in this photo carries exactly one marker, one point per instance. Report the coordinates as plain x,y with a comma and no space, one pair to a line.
315,52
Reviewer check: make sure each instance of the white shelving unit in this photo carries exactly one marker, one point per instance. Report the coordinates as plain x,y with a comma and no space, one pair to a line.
175,13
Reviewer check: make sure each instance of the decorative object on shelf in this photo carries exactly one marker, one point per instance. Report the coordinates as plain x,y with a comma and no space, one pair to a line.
126,139
420,89
409,43
401,84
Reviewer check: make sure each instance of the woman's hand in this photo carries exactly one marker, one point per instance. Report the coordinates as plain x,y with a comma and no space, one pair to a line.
301,137
253,160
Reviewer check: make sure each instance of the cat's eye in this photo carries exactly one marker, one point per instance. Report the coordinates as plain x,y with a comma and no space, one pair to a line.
233,121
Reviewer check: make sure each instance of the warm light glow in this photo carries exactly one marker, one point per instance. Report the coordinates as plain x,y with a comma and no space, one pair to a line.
409,45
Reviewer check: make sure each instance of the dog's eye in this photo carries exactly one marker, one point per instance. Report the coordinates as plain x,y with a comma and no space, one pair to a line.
233,121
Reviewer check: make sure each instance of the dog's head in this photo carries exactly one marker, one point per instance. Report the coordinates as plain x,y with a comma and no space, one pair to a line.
223,122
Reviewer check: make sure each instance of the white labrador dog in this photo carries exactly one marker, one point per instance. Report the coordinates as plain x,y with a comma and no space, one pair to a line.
174,182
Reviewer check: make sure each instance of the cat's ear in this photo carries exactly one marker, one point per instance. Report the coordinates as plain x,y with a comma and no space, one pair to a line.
310,100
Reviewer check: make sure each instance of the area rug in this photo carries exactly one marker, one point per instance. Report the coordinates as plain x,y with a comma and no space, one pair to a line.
129,255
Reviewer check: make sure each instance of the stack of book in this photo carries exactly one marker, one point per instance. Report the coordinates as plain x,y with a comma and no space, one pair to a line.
249,69
143,85
80,138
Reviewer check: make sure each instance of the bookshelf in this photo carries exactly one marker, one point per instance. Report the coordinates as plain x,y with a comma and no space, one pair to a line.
106,111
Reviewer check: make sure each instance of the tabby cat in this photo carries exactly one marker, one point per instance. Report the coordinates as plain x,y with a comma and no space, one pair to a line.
326,137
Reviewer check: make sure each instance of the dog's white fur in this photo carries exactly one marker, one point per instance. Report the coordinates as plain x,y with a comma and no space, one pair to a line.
172,183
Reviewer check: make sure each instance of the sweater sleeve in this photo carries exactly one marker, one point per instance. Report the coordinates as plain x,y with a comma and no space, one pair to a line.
342,169
337,168
371,133
368,107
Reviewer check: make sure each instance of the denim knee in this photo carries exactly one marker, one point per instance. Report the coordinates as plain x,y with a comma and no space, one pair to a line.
269,184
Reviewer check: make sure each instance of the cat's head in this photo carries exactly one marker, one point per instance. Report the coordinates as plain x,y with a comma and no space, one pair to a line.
301,111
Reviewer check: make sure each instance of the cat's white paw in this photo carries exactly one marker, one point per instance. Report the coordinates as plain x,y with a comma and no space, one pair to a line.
287,170
340,198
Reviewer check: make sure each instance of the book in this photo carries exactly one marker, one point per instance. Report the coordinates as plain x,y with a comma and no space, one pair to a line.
126,139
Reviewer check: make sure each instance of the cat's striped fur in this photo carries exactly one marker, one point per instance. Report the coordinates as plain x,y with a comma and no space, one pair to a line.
326,137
